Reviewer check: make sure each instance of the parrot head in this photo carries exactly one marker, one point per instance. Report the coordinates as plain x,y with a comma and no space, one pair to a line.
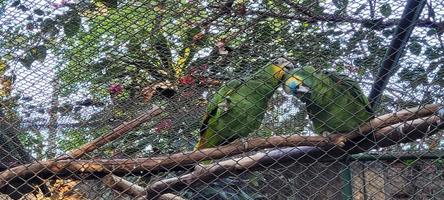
294,84
280,67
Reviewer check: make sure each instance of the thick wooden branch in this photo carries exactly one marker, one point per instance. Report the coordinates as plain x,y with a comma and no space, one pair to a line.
100,168
131,189
123,186
170,196
396,117
402,132
114,134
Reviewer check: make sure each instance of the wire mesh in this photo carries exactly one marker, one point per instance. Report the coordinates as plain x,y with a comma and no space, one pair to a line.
307,99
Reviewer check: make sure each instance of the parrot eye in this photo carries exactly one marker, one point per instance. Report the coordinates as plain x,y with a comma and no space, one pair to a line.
277,62
284,63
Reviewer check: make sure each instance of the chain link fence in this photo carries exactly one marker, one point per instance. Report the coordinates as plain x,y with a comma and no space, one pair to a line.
304,99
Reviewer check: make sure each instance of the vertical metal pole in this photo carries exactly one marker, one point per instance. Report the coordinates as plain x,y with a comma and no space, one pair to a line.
402,34
347,191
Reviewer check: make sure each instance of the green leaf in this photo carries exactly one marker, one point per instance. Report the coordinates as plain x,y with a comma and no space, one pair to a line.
431,53
16,3
110,3
374,24
162,47
27,61
72,24
35,53
38,52
360,9
386,10
340,4
433,66
439,78
39,12
431,32
415,48
414,76
388,32
23,8
48,27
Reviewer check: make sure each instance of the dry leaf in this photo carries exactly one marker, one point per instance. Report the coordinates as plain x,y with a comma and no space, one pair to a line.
149,91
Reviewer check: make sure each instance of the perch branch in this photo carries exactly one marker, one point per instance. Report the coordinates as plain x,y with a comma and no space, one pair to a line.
99,168
114,134
123,186
396,117
131,189
170,196
402,132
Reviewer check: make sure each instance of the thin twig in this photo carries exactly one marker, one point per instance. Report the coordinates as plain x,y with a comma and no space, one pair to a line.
343,18
114,134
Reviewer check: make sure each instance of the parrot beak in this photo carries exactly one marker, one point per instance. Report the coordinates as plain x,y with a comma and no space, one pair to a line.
303,90
294,85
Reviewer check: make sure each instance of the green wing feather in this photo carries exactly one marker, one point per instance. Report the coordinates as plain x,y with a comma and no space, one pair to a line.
224,92
351,87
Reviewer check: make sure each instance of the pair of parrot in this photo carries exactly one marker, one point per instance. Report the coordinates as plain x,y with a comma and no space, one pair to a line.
335,103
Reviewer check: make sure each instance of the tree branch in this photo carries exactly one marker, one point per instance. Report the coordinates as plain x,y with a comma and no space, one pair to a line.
100,168
377,23
123,186
393,118
131,189
114,134
402,132
300,8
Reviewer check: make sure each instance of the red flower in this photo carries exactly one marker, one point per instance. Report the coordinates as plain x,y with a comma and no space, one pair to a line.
115,89
186,80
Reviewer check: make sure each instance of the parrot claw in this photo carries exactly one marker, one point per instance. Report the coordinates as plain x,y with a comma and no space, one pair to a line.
325,134
224,105
340,141
241,141
244,142
337,139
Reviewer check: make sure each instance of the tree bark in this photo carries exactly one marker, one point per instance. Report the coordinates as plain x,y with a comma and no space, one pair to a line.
390,135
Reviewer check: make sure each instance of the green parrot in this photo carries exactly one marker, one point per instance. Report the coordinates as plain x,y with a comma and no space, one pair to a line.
238,108
335,103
